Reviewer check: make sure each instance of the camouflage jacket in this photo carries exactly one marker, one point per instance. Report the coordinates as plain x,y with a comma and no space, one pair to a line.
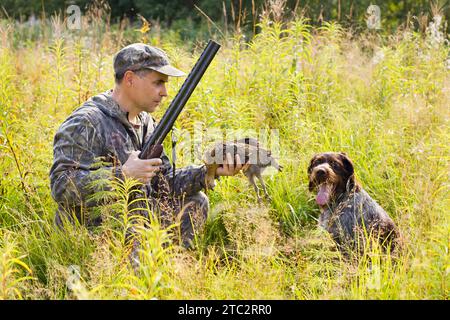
92,144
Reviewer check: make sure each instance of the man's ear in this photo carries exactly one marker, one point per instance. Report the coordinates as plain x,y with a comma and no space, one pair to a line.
128,78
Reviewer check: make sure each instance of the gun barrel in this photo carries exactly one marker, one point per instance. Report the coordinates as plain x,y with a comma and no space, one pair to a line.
180,100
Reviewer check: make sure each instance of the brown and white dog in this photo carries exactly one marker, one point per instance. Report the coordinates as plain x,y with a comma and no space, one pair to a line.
348,213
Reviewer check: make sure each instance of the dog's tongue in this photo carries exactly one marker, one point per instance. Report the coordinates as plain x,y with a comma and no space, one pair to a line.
323,195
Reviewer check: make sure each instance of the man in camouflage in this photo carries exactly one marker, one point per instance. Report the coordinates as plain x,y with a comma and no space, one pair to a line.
103,138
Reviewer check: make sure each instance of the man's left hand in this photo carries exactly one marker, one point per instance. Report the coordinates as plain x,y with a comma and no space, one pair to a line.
230,167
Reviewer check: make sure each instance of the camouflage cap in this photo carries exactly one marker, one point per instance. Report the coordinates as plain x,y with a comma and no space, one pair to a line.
142,56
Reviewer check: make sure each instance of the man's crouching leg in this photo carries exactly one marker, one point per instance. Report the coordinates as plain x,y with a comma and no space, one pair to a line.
192,217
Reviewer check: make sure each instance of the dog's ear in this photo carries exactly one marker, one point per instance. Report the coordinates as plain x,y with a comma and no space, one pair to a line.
310,167
350,170
348,164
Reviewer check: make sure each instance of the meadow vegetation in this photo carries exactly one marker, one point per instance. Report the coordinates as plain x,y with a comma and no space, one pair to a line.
382,99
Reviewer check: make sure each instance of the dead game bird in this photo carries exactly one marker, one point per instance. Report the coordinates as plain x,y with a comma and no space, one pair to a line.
250,152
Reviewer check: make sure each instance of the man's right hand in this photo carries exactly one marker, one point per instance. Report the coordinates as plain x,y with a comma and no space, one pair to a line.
139,169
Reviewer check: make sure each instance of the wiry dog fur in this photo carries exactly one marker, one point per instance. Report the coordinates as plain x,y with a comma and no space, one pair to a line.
348,213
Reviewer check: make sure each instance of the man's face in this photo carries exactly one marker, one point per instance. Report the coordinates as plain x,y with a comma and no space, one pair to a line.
147,90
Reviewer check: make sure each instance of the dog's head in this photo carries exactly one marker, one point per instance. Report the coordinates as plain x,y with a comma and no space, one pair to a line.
331,174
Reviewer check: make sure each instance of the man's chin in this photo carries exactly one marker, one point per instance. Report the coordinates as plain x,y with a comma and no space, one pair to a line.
152,108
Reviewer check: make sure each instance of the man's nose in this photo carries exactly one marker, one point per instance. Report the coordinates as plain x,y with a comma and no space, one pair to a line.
163,92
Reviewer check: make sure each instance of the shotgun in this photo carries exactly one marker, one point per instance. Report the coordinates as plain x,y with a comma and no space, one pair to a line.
152,148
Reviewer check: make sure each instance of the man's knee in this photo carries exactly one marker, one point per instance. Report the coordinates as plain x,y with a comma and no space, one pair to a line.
200,201
193,216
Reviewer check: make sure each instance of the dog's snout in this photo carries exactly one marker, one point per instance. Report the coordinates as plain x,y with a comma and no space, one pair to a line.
320,175
320,172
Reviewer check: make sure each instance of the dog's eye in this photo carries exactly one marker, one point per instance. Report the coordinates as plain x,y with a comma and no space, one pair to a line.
334,164
317,162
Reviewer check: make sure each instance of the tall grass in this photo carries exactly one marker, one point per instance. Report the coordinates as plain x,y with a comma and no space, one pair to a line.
382,100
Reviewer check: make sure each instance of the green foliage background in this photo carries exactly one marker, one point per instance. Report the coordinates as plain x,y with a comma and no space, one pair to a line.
382,99
169,12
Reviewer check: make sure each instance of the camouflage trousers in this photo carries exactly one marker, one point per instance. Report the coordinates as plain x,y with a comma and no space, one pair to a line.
193,216
190,212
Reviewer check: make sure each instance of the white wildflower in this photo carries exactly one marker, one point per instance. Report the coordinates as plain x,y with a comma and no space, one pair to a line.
434,33
378,57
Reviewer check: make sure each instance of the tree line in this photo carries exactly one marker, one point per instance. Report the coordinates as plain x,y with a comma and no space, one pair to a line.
228,12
